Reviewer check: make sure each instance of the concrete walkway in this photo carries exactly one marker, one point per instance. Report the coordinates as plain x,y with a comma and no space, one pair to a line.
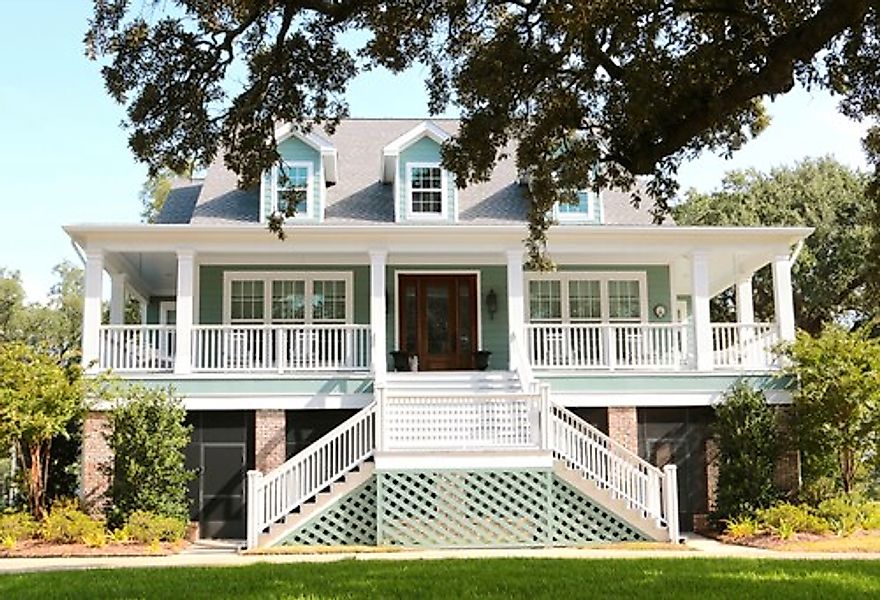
206,556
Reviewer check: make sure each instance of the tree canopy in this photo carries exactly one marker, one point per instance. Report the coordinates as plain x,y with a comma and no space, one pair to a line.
832,276
594,93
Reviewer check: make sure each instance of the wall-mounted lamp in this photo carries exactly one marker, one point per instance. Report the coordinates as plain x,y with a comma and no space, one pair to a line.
492,303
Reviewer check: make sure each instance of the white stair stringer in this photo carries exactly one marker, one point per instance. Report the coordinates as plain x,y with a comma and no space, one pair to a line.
601,496
324,500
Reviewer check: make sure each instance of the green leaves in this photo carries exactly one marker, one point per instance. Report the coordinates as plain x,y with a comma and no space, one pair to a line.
837,402
642,85
748,445
832,274
148,437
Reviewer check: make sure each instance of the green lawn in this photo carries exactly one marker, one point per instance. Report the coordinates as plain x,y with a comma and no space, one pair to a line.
707,579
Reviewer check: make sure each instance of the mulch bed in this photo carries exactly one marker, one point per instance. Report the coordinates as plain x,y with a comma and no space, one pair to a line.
859,541
42,549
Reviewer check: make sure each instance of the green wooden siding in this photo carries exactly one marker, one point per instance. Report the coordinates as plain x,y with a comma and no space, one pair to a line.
293,149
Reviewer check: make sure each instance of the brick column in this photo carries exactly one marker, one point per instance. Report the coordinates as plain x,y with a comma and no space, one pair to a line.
623,426
270,438
711,474
97,460
787,474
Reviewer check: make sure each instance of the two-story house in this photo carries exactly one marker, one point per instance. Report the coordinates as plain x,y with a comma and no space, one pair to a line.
391,374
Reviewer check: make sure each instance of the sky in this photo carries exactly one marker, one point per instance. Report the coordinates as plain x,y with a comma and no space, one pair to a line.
64,157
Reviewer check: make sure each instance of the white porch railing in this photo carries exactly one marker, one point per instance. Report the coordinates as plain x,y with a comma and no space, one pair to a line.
597,457
608,346
272,496
460,422
738,345
136,347
232,348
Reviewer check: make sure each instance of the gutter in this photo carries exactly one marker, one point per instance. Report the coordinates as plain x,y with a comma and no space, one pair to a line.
78,251
797,252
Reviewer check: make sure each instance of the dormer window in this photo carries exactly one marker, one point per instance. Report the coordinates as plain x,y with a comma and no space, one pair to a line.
426,193
582,210
295,186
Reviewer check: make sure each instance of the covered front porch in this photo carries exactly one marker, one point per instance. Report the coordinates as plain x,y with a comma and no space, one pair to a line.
622,299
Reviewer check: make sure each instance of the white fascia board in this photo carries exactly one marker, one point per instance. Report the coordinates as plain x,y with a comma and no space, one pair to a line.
325,148
392,150
655,399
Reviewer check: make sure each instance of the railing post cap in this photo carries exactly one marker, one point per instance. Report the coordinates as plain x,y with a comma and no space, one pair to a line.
670,468
253,473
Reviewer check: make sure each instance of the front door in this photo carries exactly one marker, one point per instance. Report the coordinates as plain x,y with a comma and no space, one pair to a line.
438,320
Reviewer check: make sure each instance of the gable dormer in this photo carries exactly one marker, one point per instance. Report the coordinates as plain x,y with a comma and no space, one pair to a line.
310,164
424,192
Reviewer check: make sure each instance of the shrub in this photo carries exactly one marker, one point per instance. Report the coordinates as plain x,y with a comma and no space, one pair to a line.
871,515
740,528
843,514
67,524
95,538
17,526
148,437
146,528
748,446
784,519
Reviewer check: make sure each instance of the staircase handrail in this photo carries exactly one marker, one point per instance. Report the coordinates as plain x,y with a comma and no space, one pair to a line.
273,495
522,365
608,463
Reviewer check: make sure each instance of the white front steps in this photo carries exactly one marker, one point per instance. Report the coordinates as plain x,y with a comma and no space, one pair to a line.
337,491
452,382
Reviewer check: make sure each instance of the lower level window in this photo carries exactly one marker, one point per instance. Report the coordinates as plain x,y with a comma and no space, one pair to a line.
587,298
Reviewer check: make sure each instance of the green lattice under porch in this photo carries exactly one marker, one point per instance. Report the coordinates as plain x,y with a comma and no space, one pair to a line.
464,508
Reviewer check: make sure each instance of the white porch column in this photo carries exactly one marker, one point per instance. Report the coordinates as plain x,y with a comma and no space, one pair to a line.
783,301
378,342
117,298
745,303
702,318
185,286
94,282
515,303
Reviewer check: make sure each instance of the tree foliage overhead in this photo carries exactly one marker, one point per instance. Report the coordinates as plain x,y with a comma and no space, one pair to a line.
832,276
633,87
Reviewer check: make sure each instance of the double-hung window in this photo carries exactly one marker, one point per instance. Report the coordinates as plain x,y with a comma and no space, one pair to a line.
294,185
425,190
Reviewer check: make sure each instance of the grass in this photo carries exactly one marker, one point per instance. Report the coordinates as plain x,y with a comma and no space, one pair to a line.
466,579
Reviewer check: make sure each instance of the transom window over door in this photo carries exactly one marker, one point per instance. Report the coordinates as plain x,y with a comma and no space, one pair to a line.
426,195
587,297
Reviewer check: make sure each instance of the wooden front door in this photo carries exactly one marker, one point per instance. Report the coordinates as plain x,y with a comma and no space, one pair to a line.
438,320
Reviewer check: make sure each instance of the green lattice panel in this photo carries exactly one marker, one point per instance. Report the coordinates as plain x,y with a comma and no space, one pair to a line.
350,521
462,508
577,520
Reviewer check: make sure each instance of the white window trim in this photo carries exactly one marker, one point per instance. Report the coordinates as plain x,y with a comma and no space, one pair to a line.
310,189
164,307
444,184
267,277
590,215
603,277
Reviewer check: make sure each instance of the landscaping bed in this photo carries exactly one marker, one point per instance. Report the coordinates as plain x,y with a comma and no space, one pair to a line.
44,549
860,541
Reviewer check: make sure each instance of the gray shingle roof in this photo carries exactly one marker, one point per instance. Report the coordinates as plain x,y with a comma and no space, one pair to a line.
359,197
179,204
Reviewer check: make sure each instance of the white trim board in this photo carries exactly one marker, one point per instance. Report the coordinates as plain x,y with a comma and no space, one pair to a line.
655,399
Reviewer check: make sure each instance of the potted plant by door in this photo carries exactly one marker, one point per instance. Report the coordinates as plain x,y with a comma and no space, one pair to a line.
481,359
401,360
